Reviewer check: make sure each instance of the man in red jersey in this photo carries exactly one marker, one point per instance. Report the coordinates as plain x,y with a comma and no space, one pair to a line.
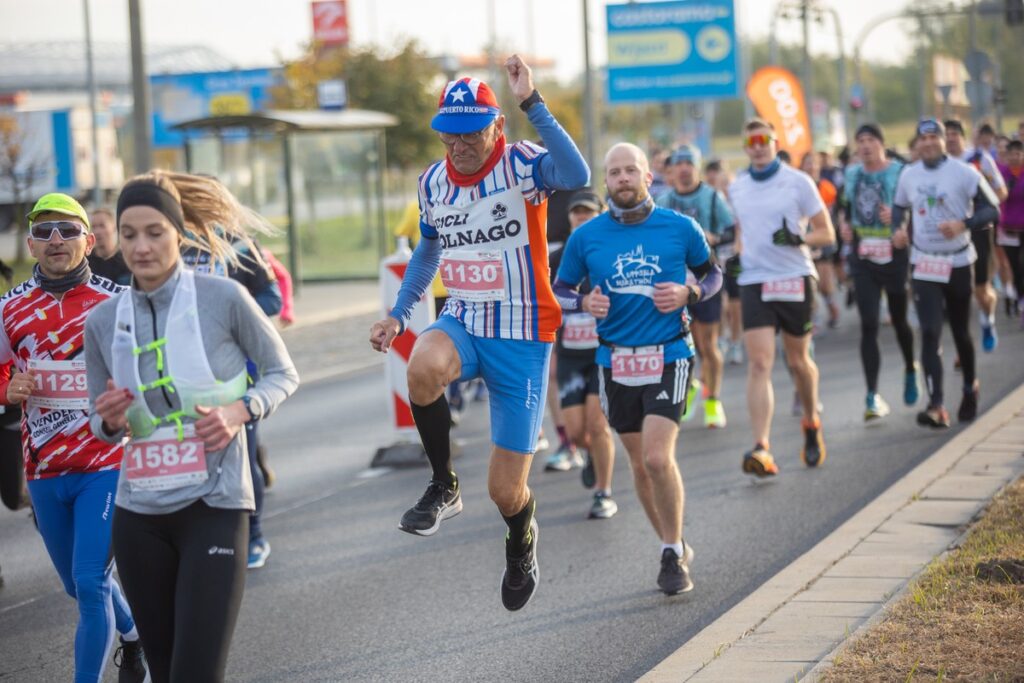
72,475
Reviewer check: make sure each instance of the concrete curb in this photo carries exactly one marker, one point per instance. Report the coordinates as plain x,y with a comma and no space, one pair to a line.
811,611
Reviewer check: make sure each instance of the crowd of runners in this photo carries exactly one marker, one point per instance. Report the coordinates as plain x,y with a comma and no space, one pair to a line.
140,356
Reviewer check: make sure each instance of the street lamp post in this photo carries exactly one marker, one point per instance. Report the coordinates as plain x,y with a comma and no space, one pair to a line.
97,187
141,123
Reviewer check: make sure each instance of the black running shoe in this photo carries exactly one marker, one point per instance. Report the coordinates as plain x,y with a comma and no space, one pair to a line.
813,452
969,405
522,574
131,663
674,576
437,504
935,417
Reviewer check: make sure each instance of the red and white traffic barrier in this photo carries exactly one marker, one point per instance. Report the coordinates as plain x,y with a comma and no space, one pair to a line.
392,270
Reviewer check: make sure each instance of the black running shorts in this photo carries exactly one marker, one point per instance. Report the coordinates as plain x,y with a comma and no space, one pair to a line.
795,318
577,377
626,407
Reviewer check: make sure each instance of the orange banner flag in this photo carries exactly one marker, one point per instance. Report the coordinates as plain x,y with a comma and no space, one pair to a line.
779,99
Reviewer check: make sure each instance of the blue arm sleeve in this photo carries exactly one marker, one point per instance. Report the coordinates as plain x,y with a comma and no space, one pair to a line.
568,298
709,277
563,167
418,276
269,299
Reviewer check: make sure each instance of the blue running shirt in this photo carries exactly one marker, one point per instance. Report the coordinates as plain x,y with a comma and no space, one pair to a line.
626,261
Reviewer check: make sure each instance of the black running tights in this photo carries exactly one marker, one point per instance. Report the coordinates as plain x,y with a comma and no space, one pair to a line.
868,287
183,574
13,492
955,297
1016,257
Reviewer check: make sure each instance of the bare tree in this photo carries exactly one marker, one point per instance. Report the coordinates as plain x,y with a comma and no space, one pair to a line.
18,175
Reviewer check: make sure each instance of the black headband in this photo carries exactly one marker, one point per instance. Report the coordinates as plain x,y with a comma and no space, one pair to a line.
155,197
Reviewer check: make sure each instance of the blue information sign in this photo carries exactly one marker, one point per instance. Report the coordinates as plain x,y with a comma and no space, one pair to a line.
665,51
183,97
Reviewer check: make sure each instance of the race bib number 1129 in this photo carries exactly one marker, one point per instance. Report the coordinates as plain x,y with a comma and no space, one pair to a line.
60,384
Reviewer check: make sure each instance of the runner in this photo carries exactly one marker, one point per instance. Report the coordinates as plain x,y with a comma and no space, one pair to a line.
105,259
483,211
771,201
637,255
824,258
167,365
705,205
1011,221
946,198
875,265
578,377
982,236
71,475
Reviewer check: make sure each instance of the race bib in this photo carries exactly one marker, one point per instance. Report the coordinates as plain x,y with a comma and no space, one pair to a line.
161,462
783,290
637,367
875,249
474,278
60,384
933,268
1005,239
579,331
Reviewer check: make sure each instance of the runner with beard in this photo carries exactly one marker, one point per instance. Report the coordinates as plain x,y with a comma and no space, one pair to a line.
636,256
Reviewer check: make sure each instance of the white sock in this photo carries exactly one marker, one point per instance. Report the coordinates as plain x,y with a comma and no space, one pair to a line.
607,493
676,547
131,636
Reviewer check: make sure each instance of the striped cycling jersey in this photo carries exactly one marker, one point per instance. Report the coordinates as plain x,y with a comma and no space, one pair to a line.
37,326
494,246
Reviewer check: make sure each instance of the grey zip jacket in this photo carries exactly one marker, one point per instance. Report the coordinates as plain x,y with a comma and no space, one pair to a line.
233,328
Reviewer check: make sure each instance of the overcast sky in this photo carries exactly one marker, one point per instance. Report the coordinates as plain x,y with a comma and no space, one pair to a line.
253,32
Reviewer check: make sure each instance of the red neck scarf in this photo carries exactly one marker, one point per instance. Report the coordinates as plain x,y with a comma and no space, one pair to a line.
469,180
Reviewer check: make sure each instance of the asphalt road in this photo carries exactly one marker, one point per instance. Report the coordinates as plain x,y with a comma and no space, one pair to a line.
347,597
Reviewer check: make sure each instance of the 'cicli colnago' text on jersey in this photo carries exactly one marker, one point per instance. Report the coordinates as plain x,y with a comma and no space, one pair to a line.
493,235
44,335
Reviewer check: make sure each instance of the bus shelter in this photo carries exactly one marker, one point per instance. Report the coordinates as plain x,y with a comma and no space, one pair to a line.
317,175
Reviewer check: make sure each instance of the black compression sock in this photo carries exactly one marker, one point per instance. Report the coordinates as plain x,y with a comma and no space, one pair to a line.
519,527
433,422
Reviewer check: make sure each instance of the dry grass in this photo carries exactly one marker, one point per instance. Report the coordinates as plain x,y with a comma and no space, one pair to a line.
950,626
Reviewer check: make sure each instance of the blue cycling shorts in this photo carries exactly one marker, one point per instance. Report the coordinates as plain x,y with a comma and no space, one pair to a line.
516,374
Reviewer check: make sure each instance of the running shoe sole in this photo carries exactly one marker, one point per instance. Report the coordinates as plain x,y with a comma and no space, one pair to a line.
926,420
447,513
752,465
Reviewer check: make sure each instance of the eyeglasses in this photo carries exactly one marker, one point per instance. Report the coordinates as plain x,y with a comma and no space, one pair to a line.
69,230
763,139
468,138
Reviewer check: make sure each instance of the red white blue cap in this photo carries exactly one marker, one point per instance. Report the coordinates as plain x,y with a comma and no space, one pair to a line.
466,106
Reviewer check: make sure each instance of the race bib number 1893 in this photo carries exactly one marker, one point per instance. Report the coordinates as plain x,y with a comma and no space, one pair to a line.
783,290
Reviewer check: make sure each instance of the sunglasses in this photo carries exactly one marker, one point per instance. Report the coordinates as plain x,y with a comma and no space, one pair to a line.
759,139
69,230
468,138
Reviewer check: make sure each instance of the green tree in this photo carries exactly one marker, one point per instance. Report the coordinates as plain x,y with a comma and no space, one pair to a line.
399,83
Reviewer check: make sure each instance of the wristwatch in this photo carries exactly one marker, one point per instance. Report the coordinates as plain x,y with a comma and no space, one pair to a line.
533,99
247,400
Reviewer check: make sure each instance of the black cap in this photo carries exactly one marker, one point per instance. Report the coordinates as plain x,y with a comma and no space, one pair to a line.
872,129
587,199
930,127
